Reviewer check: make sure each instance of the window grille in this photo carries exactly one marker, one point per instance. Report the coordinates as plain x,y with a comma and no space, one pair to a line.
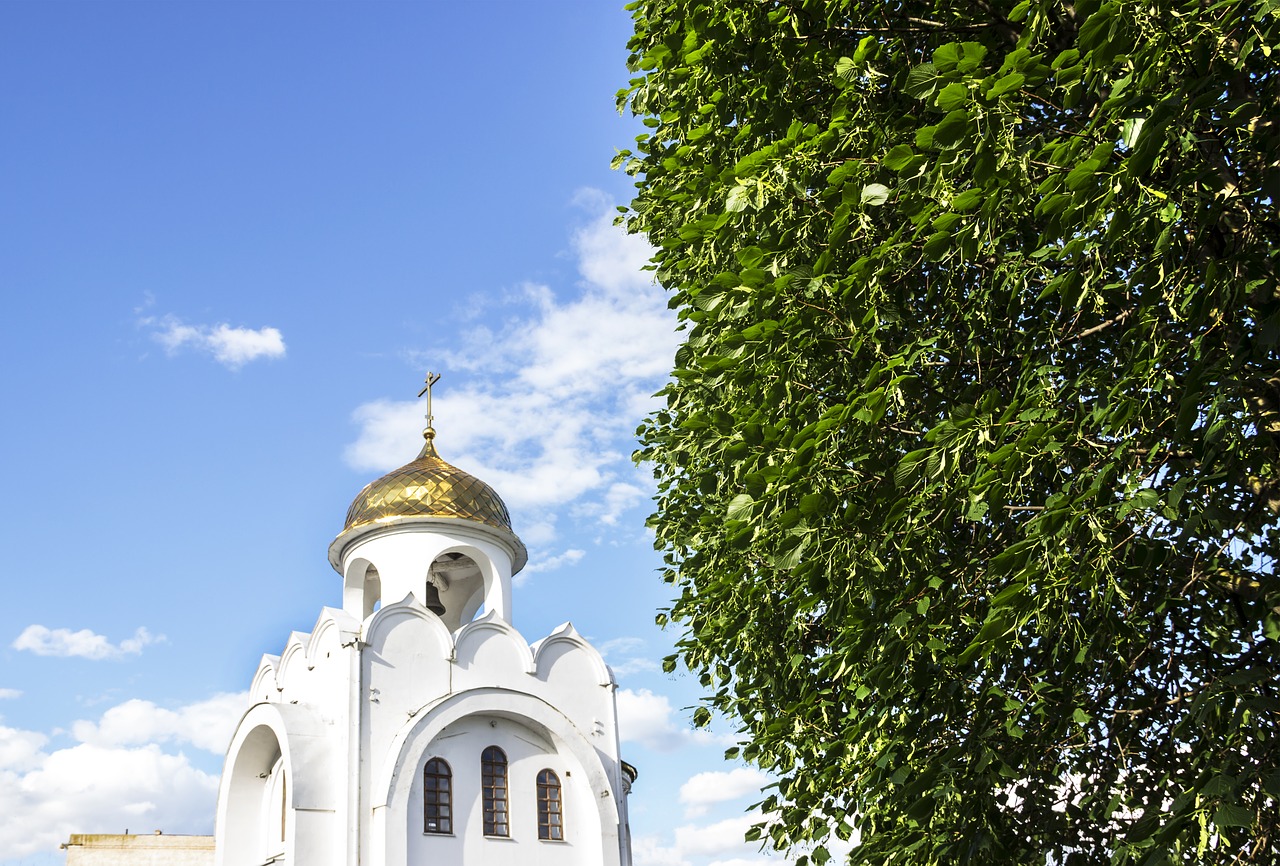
437,797
493,783
550,807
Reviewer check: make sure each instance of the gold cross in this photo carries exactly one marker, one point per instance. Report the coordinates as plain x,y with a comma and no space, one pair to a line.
431,379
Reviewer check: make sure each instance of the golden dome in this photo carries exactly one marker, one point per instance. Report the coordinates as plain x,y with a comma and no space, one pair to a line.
428,487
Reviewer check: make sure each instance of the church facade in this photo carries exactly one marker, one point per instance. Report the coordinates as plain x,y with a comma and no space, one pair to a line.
415,725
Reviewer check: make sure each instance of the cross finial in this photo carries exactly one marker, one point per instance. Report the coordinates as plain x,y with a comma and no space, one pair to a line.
432,378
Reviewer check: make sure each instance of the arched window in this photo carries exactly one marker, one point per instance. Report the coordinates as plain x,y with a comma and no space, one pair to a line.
437,797
550,807
493,782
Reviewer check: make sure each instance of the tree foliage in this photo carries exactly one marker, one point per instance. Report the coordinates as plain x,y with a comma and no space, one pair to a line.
969,469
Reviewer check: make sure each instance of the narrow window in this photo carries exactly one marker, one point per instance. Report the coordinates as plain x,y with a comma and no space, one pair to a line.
550,807
493,781
437,797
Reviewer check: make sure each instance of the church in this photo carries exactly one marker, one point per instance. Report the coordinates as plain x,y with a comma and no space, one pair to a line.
414,724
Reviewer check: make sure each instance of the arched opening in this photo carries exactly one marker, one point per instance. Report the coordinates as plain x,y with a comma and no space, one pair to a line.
257,818
275,811
459,583
361,589
521,740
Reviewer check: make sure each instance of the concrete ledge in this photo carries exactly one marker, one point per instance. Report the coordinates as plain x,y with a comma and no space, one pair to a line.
157,849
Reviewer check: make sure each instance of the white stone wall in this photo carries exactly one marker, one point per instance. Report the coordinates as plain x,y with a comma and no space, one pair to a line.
357,709
354,709
125,850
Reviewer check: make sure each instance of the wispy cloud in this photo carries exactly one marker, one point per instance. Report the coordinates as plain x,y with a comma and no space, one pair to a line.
206,724
722,841
10,694
65,643
231,347
571,556
627,655
549,414
706,789
648,719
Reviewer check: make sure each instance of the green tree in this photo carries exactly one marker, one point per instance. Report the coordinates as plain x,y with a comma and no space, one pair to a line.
970,464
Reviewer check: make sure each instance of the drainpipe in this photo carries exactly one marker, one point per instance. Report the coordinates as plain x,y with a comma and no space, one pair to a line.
355,726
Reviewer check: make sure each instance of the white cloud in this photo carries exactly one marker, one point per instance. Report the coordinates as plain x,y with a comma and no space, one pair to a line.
10,694
231,347
620,497
705,789
206,725
65,643
90,788
549,563
721,838
634,665
549,417
721,843
620,645
626,656
646,718
109,784
19,750
648,850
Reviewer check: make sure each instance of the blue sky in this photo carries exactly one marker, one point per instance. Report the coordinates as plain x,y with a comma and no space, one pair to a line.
235,237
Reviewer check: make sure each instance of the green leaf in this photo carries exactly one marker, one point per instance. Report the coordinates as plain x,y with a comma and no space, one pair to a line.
1271,625
1030,284
938,245
1006,84
1097,28
740,507
971,56
1082,174
1230,815
952,96
909,466
812,504
875,194
1131,130
789,559
951,129
967,200
1007,595
898,157
922,81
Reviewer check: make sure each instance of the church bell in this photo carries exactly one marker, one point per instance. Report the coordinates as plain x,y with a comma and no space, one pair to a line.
432,600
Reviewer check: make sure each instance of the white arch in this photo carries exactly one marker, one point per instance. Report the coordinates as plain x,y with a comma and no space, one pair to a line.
495,592
565,633
393,779
403,547
268,732
384,621
359,593
473,634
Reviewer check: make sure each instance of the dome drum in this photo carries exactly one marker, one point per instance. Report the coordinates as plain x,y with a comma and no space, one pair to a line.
401,523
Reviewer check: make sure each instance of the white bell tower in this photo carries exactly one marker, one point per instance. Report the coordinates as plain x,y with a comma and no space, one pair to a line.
415,724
